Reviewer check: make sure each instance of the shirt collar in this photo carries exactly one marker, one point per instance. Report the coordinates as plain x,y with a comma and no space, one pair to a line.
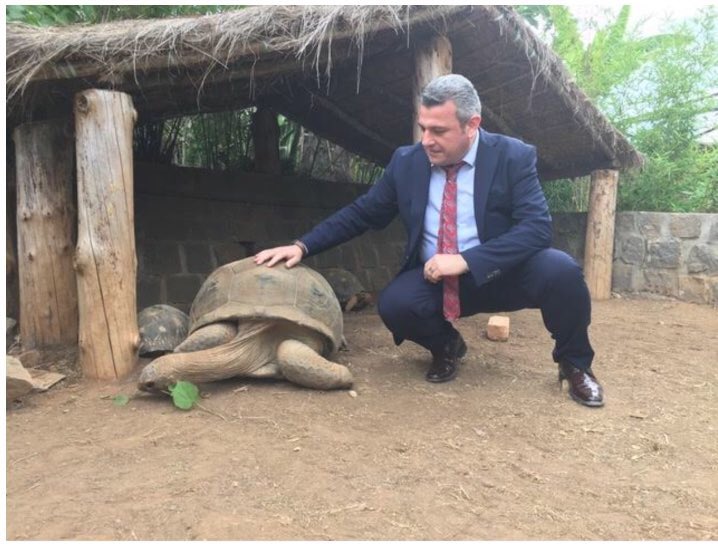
470,157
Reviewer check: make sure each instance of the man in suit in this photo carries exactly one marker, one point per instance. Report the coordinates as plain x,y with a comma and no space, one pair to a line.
479,235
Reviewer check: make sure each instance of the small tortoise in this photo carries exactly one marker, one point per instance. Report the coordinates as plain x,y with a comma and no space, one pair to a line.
348,289
162,328
256,321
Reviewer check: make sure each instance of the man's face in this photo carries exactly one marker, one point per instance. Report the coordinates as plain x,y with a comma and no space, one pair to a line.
444,139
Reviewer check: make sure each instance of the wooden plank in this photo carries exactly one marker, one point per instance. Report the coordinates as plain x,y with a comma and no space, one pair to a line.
45,221
598,257
432,58
265,135
106,261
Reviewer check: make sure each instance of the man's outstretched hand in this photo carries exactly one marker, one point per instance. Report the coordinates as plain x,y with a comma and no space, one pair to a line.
292,254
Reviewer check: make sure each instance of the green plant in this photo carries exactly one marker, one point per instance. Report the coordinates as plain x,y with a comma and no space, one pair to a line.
655,90
184,395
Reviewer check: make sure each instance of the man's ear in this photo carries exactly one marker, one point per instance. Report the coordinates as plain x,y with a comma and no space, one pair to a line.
474,123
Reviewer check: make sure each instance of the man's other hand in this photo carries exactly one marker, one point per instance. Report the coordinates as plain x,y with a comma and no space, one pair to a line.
292,254
441,265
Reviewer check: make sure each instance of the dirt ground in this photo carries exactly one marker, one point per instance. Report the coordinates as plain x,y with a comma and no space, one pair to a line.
499,453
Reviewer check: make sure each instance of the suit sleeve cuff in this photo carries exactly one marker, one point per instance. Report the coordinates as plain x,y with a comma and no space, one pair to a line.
300,245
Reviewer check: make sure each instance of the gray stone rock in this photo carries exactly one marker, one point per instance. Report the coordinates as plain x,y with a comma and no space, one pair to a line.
18,381
664,254
713,234
10,332
662,282
198,258
685,226
694,289
182,288
149,291
229,252
650,225
703,258
633,250
160,258
625,222
622,277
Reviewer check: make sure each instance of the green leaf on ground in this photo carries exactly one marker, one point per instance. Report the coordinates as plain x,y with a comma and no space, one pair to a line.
184,394
120,400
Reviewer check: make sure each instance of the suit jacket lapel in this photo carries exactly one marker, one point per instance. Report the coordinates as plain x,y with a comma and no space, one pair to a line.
486,160
420,177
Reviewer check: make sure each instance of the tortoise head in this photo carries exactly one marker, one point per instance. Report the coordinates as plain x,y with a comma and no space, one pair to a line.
154,379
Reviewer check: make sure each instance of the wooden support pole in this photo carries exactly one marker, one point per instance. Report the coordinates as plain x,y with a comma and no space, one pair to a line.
598,256
265,134
432,58
45,229
106,261
12,282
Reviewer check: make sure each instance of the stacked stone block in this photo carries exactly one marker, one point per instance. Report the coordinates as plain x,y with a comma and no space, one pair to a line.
667,254
190,221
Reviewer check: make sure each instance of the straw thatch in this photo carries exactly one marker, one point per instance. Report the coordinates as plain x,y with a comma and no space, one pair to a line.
344,72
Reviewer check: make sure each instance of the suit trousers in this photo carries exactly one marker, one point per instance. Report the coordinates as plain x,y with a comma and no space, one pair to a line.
550,280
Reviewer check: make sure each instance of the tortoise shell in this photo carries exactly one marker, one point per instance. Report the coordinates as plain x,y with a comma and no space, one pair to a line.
345,284
242,290
162,327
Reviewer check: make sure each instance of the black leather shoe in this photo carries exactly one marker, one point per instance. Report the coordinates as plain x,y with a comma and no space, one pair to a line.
583,387
445,364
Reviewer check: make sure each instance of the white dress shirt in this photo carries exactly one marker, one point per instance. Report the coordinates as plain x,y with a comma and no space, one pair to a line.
466,232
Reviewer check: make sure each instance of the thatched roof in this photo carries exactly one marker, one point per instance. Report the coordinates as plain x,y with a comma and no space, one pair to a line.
344,72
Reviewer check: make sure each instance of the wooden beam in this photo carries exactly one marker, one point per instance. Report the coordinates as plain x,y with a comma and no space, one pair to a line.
106,260
265,134
45,221
598,256
323,119
432,58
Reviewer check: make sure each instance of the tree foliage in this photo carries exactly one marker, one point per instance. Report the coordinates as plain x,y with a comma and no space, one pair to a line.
656,90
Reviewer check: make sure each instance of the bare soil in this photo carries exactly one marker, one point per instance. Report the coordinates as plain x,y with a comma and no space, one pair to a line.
499,453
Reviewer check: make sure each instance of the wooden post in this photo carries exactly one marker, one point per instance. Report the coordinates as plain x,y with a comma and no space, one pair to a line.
12,282
265,134
431,59
106,261
45,228
598,256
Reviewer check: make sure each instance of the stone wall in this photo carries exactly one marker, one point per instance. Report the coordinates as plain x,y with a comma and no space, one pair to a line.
667,254
671,254
190,221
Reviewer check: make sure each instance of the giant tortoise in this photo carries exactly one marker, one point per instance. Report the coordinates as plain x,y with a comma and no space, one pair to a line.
162,329
256,321
349,290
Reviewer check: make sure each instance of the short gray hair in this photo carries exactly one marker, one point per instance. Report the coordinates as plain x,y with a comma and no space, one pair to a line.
456,88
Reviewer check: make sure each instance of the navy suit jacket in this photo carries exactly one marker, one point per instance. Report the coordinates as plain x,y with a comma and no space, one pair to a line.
512,216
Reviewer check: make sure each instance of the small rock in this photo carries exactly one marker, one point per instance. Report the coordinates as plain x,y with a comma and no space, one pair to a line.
18,381
353,393
498,328
297,449
10,332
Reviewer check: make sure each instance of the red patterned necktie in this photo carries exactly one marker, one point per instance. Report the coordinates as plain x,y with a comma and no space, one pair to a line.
447,241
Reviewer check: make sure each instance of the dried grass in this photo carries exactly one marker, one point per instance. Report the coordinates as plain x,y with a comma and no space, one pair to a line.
125,51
